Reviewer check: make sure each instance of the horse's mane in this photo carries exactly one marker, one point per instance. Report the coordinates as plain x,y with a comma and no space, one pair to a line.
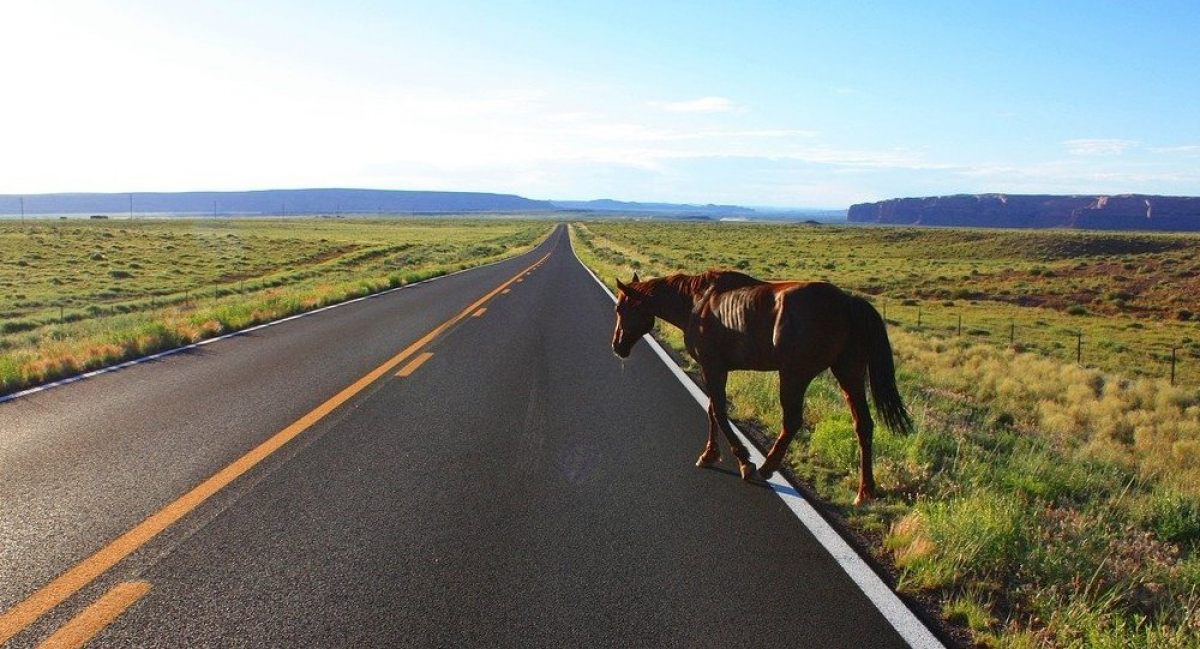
713,279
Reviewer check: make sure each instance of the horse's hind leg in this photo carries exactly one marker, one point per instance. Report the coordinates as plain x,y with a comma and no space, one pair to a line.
852,376
714,381
793,384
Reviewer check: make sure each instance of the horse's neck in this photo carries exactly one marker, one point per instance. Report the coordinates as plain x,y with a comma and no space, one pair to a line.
675,298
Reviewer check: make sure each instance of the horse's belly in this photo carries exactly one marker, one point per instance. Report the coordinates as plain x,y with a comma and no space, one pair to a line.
747,352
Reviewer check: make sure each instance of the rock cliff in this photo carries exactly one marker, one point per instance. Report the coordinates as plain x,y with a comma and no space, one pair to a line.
1124,212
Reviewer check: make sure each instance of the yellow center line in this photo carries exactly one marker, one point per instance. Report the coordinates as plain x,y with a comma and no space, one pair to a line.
18,618
412,366
83,627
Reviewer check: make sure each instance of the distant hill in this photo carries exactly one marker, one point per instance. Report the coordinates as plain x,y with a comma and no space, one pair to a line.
1124,212
659,209
273,202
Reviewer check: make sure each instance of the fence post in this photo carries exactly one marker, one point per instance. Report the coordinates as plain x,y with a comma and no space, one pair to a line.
1079,347
1173,350
960,325
918,316
1012,332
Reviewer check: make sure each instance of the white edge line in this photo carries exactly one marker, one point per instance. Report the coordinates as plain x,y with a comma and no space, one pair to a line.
208,341
902,619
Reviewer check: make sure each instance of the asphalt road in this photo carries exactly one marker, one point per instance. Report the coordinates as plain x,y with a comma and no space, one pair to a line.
520,487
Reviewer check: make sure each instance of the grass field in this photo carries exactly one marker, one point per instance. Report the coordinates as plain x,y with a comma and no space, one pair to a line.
80,294
1044,503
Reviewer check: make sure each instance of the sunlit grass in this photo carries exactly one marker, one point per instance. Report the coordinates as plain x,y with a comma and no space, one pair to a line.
78,295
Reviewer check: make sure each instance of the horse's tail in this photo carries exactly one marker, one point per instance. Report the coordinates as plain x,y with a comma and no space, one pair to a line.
881,368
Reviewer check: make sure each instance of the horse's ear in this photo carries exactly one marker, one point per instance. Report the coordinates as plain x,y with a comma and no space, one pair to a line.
635,277
622,287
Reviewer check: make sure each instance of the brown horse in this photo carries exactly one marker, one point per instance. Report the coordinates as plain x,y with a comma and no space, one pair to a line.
732,321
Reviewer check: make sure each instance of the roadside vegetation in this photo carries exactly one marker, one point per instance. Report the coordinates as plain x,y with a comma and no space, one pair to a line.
1043,503
76,295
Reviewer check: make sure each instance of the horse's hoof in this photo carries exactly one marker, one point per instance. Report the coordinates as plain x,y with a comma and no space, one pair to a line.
707,459
748,471
863,498
765,473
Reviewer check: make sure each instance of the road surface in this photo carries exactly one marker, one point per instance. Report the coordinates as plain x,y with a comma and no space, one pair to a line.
458,463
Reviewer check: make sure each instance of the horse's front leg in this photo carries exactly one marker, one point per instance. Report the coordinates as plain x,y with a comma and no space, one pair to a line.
714,380
793,383
712,452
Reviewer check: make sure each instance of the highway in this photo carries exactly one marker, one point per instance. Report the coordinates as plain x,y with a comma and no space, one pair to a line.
462,462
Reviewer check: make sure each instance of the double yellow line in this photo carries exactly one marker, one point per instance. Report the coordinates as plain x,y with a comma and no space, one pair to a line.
21,616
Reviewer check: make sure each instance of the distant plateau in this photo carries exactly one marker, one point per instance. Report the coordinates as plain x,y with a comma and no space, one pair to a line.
1122,212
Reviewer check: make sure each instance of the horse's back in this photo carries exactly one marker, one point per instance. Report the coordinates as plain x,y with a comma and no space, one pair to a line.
754,324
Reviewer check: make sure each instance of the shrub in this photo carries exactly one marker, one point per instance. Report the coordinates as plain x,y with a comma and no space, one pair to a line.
834,442
981,537
1172,517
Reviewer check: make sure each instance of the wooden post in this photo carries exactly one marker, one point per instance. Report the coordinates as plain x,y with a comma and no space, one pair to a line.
960,325
1079,347
1173,350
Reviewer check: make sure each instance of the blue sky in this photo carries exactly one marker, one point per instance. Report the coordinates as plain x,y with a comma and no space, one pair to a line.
817,104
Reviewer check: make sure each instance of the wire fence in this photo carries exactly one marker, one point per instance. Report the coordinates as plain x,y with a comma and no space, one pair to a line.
1177,363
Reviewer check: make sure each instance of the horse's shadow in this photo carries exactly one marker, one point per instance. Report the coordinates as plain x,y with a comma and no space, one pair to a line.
757,481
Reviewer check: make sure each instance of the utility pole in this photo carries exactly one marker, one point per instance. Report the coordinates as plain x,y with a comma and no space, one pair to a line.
131,207
22,210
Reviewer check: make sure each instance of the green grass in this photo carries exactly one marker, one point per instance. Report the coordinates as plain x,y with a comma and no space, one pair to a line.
1045,504
76,295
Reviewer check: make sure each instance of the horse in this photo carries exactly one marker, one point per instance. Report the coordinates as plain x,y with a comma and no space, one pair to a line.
732,321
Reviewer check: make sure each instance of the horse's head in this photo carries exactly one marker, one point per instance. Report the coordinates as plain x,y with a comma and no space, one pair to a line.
634,317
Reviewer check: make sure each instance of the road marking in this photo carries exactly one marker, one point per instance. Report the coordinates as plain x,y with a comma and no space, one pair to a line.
18,618
83,627
894,610
482,310
412,366
505,291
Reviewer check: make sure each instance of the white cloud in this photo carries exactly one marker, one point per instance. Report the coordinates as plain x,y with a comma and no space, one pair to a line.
1186,149
701,105
1099,146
